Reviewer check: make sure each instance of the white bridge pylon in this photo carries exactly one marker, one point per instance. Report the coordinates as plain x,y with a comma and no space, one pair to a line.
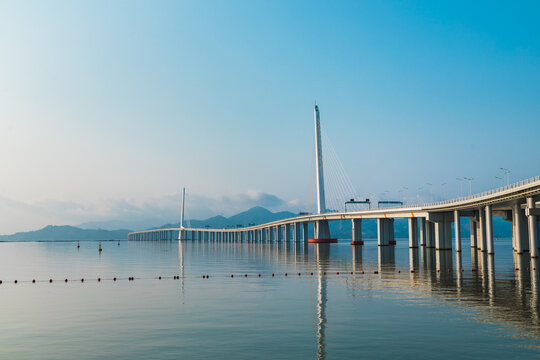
322,230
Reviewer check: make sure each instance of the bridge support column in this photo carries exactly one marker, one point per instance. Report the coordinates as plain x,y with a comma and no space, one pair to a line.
518,229
413,233
385,232
533,227
305,232
430,234
322,233
443,235
287,232
489,230
357,232
481,230
423,232
272,234
473,231
297,236
457,230
279,234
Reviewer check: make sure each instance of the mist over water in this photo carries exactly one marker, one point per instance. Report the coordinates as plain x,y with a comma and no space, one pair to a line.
396,303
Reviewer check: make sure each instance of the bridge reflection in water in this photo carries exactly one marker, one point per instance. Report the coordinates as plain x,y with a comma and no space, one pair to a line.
508,297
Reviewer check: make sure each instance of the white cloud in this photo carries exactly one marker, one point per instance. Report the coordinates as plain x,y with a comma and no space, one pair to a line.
130,213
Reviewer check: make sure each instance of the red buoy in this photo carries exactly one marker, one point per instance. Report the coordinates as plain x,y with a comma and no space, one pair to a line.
285,274
298,274
399,271
159,277
324,273
33,281
337,273
16,281
207,276
245,275
114,279
351,272
259,275
232,275
98,279
272,274
82,280
50,280
312,274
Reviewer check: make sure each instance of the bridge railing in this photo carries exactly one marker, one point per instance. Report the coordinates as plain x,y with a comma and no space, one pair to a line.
475,196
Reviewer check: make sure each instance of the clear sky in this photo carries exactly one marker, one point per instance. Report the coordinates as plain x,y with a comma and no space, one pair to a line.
108,108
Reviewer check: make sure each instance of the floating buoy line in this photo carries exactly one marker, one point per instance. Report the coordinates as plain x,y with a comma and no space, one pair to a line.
207,276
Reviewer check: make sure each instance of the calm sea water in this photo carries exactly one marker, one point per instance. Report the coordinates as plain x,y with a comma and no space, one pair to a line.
435,312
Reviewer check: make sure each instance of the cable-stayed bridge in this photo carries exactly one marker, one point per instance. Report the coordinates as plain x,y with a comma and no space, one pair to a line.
430,225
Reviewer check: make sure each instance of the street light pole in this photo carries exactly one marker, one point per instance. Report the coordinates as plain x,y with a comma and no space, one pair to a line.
460,186
507,173
470,188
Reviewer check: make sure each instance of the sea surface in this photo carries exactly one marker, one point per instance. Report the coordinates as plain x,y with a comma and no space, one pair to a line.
335,301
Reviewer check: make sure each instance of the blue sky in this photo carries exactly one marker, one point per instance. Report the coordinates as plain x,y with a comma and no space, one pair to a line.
108,108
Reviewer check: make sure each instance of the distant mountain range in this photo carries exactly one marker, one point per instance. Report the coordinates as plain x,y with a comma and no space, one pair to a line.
256,215
66,233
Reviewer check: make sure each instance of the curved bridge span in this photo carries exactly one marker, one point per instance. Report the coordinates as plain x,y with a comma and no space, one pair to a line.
430,225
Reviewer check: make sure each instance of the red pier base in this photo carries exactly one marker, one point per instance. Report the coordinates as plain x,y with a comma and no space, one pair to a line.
322,241
357,242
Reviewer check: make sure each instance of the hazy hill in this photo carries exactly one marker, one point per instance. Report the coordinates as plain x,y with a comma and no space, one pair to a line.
256,215
64,233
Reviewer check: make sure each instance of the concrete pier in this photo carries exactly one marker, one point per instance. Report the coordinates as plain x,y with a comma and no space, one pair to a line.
473,231
423,232
457,230
532,222
489,229
413,233
357,232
